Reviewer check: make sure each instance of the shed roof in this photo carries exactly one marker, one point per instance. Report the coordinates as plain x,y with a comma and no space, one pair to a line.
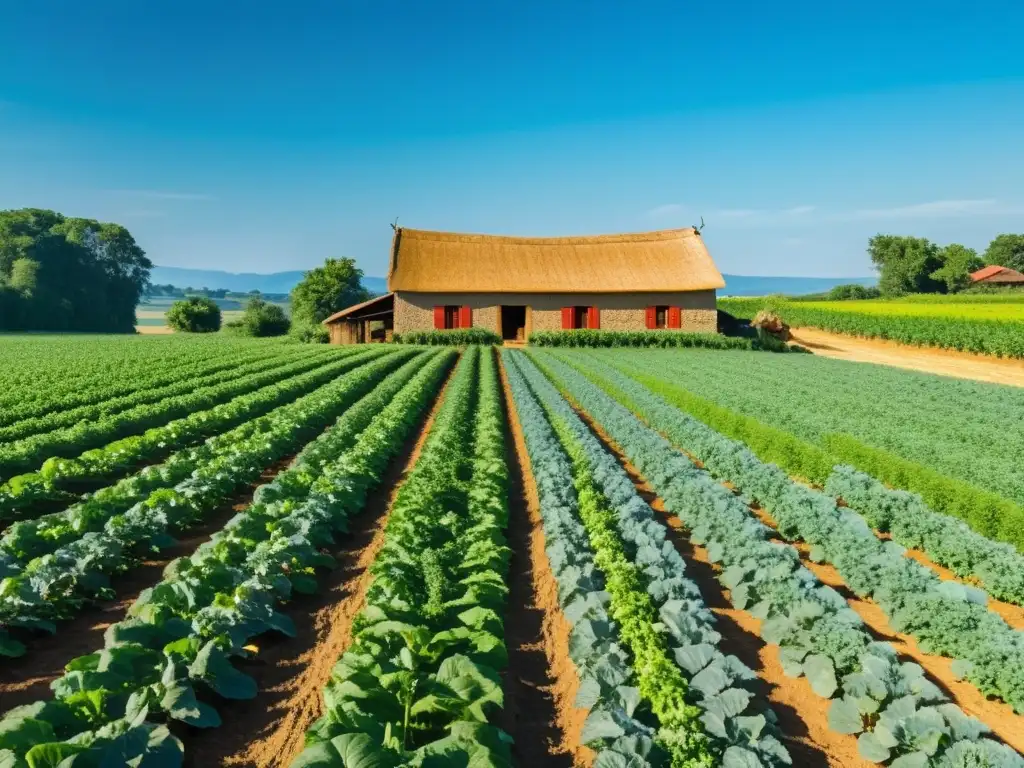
375,305
997,274
669,260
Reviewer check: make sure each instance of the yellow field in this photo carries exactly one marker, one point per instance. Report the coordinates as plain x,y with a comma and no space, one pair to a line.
967,311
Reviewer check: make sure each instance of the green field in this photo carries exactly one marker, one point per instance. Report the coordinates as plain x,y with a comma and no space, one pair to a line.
150,315
405,548
979,323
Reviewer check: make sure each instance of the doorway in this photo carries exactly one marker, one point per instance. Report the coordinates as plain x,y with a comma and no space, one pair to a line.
513,323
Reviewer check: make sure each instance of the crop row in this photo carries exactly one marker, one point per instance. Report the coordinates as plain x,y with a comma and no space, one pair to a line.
21,493
898,714
50,566
28,453
945,617
421,679
39,370
998,567
988,513
174,652
191,379
1003,338
703,711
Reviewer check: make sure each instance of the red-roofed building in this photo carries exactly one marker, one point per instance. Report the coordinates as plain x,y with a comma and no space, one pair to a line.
997,275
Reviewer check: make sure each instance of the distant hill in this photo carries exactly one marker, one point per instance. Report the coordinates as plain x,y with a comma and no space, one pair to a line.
275,282
748,285
283,282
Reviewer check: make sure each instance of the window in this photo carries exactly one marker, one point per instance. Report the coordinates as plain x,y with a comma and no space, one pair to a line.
451,316
579,317
661,317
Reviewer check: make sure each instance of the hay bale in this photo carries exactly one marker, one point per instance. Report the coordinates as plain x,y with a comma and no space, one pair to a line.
771,323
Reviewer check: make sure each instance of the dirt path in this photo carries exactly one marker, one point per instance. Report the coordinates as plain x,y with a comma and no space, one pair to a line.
540,682
291,672
996,715
802,714
28,679
945,362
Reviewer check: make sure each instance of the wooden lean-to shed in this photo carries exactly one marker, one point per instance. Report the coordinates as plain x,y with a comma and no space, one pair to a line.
516,285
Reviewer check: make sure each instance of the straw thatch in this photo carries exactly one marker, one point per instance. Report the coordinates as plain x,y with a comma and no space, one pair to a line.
670,260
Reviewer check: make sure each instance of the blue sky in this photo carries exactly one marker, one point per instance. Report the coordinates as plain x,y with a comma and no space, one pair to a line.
268,136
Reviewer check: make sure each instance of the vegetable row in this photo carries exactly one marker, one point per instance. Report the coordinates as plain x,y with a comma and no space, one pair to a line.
896,711
30,452
648,626
173,654
420,683
945,617
20,495
49,567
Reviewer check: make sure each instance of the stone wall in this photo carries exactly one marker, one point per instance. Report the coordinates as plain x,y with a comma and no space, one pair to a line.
619,311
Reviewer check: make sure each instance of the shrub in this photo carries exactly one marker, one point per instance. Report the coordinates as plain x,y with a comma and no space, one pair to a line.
455,337
261,318
853,291
196,314
310,333
669,339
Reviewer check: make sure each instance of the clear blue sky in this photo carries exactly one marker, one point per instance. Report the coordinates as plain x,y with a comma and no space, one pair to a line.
266,136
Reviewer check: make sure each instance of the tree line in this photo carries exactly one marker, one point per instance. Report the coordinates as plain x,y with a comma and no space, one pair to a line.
59,273
917,265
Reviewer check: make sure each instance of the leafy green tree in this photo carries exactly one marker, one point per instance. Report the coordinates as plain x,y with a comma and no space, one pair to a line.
850,291
324,291
1006,251
73,274
261,318
905,264
958,261
196,314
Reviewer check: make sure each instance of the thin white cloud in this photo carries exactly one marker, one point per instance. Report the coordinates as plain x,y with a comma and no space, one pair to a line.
665,211
932,209
800,210
157,194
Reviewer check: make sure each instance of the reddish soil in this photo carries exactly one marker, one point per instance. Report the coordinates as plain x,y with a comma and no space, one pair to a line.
945,362
291,672
540,682
996,715
802,714
28,679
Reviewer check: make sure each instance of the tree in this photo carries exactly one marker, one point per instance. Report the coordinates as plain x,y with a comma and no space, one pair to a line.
196,314
73,274
850,291
324,291
261,318
1006,251
905,264
958,261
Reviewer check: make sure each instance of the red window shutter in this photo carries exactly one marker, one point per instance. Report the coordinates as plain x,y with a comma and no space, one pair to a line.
465,316
439,318
566,318
593,318
675,317
652,317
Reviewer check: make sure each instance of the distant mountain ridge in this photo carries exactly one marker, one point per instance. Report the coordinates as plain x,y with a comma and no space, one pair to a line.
283,282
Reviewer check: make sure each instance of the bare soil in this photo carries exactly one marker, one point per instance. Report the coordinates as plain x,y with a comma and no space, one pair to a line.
28,679
802,714
945,362
541,681
996,715
291,672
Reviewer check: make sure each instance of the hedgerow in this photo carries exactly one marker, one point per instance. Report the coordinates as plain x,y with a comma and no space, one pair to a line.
457,337
664,338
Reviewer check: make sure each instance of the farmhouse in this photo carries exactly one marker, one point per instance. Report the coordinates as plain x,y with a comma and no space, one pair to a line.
516,285
996,275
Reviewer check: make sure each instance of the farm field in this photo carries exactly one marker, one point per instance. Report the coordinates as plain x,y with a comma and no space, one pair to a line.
991,325
225,551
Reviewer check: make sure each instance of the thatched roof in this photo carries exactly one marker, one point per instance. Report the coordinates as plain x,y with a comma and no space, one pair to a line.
447,262
996,274
365,309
